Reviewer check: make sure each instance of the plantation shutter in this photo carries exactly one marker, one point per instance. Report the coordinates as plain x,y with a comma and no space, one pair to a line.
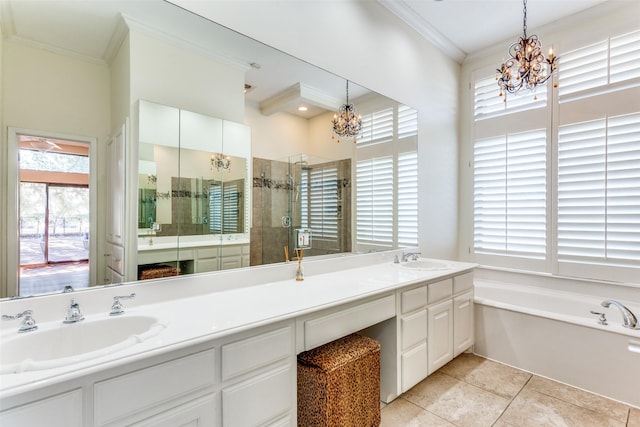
377,127
599,191
230,209
323,203
215,208
408,199
374,201
510,195
488,103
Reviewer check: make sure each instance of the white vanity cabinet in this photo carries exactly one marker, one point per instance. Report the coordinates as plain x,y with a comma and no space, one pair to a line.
158,391
436,324
259,378
245,379
62,410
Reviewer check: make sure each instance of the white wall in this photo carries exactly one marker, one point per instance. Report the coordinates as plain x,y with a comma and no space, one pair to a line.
38,85
278,136
384,55
172,75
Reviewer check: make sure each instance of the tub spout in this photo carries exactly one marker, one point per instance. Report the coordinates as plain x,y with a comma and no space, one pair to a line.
630,320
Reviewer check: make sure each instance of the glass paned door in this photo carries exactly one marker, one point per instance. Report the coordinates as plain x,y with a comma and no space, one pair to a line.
54,223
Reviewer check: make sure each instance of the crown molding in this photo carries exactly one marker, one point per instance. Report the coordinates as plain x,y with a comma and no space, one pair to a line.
409,16
141,27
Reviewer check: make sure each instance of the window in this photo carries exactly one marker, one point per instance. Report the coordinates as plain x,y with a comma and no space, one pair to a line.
225,210
510,195
374,202
408,199
387,178
320,203
560,192
599,191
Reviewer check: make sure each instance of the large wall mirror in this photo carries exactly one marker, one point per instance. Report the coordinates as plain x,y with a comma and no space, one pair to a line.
208,150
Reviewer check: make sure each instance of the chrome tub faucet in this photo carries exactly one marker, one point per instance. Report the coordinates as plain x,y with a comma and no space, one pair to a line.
28,322
629,319
74,315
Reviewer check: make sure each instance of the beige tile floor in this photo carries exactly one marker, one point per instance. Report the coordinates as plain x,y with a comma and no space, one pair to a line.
474,391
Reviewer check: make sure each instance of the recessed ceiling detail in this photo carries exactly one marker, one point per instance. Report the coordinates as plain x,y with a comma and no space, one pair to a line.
288,101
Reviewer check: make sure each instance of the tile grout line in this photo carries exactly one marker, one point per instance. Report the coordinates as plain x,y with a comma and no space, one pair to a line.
512,399
543,393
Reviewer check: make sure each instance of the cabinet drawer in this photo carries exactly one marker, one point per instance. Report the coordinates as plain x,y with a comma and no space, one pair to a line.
414,329
128,394
252,353
259,399
440,290
462,283
414,299
335,325
414,366
231,250
154,256
207,253
63,410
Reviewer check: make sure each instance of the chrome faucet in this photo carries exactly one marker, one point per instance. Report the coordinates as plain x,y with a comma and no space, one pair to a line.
413,255
630,320
116,307
74,315
28,323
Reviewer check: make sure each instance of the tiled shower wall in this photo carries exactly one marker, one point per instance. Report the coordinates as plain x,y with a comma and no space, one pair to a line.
274,197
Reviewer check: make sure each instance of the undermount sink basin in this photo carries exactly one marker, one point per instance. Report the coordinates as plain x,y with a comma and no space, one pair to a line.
426,265
52,346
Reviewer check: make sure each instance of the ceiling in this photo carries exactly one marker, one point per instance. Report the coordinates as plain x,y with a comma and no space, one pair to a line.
94,30
461,27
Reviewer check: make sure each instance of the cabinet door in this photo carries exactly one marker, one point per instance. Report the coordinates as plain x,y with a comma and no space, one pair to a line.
257,400
64,410
462,323
414,366
115,186
200,412
414,329
440,335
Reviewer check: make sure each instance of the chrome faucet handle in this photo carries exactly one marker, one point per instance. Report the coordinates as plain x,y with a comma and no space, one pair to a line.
28,322
67,289
602,320
74,315
116,307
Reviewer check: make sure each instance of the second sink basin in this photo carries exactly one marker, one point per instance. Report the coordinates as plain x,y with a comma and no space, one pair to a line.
57,345
426,264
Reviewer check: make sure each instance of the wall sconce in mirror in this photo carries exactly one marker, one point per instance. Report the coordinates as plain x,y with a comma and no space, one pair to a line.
220,162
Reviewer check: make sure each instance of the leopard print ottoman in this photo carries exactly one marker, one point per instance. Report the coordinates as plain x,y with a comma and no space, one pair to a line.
339,384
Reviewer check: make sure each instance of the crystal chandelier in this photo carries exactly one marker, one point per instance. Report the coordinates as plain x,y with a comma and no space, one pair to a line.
220,162
526,66
346,124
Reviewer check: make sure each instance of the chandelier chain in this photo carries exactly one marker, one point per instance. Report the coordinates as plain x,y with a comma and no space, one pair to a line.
524,18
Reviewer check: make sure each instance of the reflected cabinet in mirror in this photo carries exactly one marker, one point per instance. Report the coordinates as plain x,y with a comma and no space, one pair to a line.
192,214
199,158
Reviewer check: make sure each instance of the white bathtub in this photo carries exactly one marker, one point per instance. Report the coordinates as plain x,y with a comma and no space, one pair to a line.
553,334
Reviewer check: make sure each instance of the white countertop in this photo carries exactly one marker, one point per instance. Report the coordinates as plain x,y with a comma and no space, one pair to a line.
196,319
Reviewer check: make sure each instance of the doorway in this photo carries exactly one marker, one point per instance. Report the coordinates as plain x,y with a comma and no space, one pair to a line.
54,230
